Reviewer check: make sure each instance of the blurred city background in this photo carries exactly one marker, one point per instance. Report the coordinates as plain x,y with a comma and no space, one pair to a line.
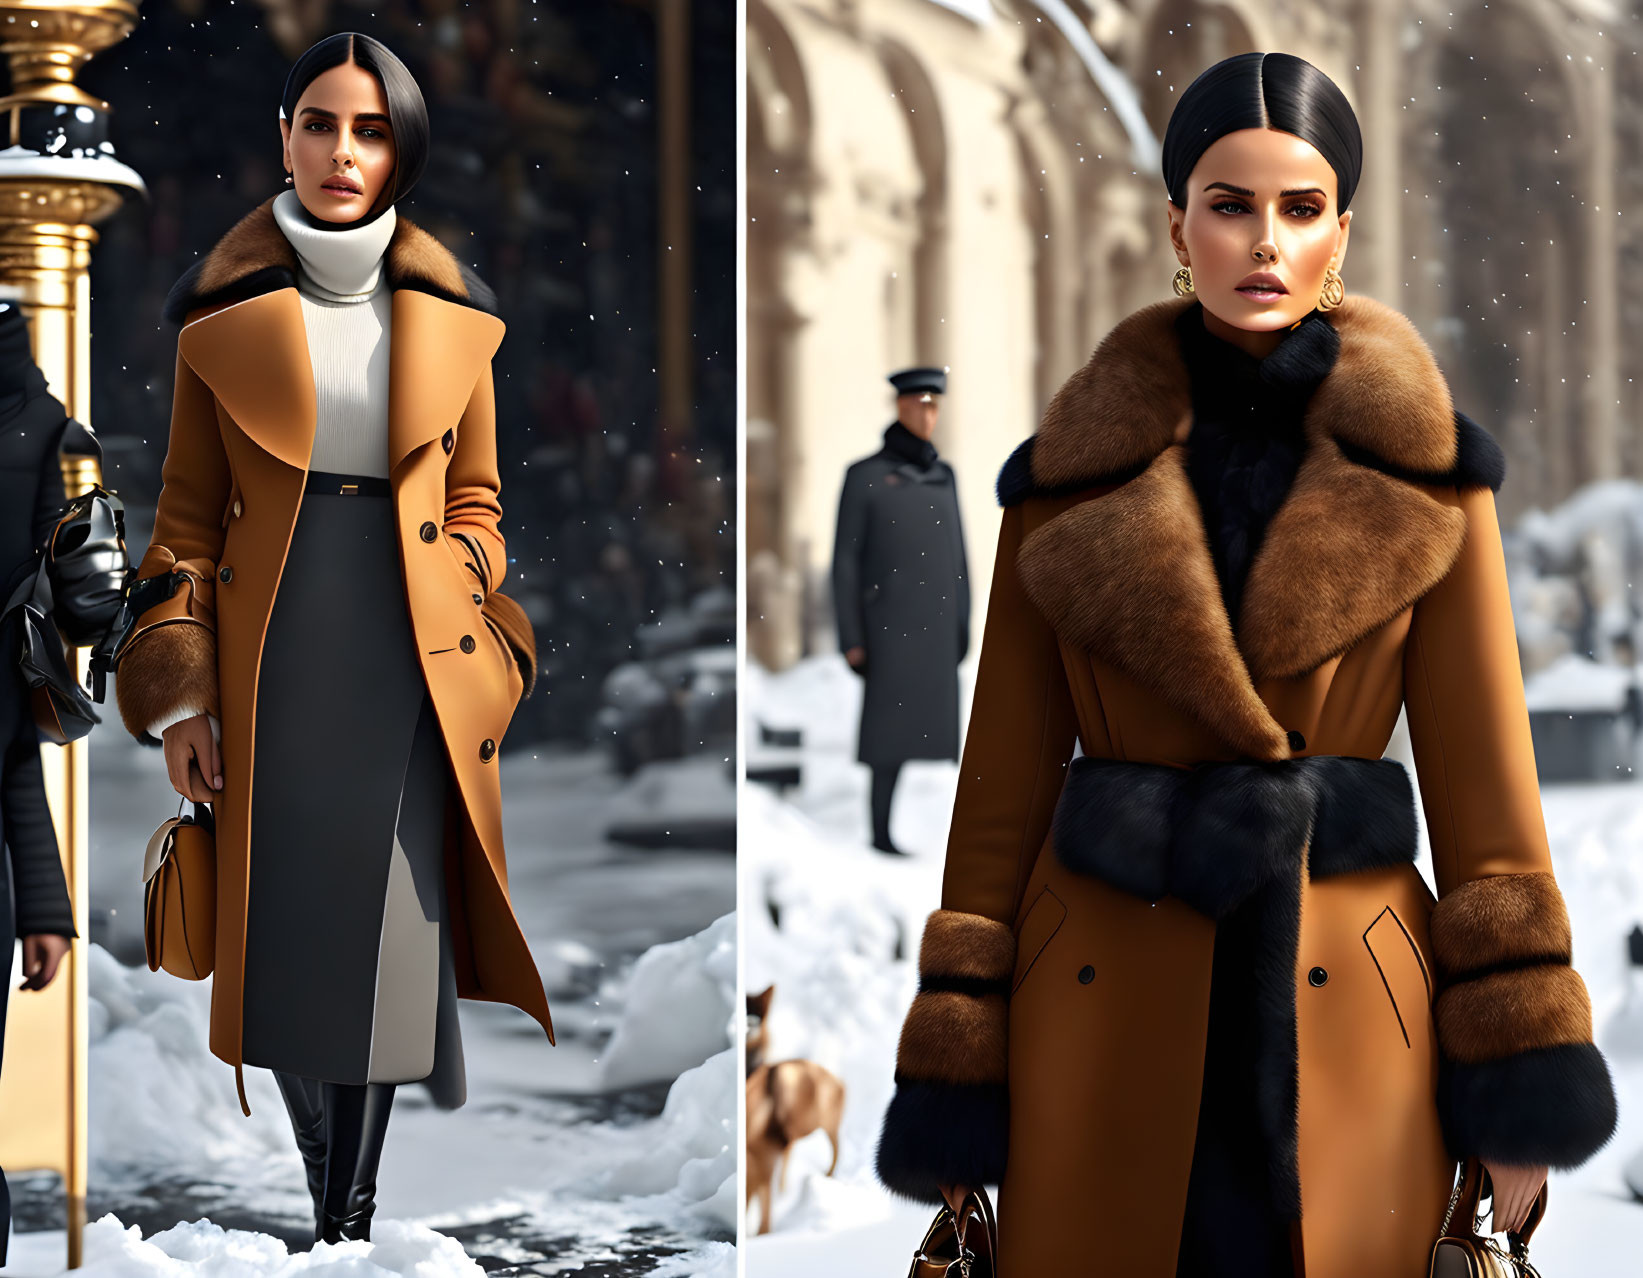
975,184
583,162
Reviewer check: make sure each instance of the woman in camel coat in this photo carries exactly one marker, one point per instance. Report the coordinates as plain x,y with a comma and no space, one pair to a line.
1187,999
322,588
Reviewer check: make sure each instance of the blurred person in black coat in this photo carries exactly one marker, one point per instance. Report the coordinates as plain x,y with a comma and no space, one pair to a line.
901,593
34,902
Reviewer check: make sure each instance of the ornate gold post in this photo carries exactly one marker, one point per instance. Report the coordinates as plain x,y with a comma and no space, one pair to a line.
58,176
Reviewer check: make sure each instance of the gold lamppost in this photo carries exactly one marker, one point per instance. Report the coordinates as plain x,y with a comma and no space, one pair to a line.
58,177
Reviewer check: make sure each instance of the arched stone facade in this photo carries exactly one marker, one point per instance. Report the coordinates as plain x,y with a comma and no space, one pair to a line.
927,187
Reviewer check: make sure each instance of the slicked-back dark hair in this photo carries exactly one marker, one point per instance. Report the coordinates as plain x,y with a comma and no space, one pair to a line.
1263,91
407,112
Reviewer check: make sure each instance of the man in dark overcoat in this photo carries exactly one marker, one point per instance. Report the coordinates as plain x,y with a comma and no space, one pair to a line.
901,593
34,902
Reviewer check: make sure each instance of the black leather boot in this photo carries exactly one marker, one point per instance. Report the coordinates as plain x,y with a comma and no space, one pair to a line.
356,1120
304,1102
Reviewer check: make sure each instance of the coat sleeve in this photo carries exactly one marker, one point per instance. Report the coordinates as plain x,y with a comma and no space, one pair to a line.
948,1121
849,546
166,665
1520,1080
40,890
473,484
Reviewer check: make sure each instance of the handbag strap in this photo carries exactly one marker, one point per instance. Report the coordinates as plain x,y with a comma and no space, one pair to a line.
1474,1185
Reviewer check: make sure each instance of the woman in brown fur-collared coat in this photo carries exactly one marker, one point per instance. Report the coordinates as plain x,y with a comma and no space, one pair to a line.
321,592
1187,1001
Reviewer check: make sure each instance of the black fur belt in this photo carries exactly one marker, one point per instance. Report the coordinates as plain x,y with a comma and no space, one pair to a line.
1214,834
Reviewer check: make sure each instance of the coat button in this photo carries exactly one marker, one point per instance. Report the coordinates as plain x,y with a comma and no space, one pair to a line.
225,574
449,442
487,750
238,508
1317,976
478,599
1086,974
467,644
1297,742
429,532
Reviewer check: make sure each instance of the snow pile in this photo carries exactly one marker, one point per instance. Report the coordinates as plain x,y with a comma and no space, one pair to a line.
835,926
155,1085
690,1151
1571,571
203,1250
716,1260
1573,684
678,1008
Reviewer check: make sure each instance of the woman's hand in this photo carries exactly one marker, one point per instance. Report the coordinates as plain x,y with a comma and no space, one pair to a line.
193,759
1515,1188
955,1196
41,955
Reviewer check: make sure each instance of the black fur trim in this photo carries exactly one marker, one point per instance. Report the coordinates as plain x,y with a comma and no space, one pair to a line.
1277,922
1553,1106
1214,834
974,986
1479,461
1365,818
1112,823
943,1134
1015,480
182,298
1241,825
1015,483
481,296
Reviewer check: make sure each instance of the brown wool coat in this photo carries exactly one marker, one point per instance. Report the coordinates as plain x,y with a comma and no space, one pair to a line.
242,428
1077,1009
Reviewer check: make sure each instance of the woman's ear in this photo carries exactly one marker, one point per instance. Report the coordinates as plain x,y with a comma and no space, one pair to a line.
285,144
1346,230
1176,239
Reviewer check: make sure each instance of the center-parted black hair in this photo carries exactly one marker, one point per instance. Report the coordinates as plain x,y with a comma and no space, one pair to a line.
1263,91
407,112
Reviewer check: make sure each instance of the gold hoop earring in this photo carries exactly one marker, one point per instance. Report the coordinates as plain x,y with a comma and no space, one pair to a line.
1334,290
1182,281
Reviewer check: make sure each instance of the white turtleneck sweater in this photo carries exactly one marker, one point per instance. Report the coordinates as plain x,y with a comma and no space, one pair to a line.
345,308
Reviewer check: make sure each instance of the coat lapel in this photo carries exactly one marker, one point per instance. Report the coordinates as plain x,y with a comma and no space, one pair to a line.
242,298
437,351
270,396
1127,573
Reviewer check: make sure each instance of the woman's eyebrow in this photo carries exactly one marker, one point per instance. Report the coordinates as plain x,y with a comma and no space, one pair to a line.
370,117
1244,191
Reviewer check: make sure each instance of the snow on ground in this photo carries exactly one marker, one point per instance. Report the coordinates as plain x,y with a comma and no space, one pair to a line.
843,962
612,1154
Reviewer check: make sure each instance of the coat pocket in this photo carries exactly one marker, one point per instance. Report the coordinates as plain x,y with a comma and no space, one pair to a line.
1403,973
1043,920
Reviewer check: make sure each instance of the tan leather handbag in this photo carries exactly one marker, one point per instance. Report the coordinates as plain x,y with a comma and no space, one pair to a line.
1461,1252
965,1246
180,896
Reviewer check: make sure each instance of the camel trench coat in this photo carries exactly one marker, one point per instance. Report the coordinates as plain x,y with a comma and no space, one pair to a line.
242,429
1056,1045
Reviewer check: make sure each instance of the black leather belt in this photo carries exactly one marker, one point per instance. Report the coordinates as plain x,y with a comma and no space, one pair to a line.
335,485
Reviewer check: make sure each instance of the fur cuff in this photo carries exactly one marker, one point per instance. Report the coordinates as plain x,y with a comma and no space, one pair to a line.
948,1122
1521,1081
170,667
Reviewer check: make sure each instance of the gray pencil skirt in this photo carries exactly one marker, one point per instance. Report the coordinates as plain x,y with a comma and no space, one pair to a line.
348,963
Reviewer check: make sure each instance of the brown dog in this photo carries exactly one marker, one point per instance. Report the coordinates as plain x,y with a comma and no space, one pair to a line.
785,1103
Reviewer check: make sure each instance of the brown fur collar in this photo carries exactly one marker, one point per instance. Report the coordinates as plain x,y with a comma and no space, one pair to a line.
1384,395
1125,571
254,257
